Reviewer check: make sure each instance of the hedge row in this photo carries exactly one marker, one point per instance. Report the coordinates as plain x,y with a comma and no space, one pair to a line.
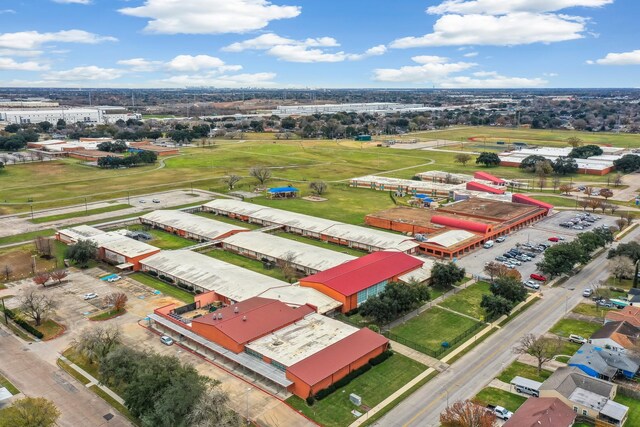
24,325
152,273
344,381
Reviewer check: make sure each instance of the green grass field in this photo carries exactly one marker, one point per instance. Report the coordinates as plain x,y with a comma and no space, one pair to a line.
566,327
373,386
162,239
523,370
248,263
592,310
467,301
432,327
165,288
497,397
7,384
321,244
26,237
77,214
633,417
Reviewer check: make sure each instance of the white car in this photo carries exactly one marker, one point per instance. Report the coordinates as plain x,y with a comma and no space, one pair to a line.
531,284
114,279
90,295
142,201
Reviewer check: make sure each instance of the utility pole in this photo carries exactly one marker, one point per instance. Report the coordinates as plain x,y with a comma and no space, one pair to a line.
4,310
86,211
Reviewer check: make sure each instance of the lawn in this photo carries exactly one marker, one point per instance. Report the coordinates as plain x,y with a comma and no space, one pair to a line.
467,301
26,237
591,310
497,397
163,287
523,370
162,239
321,244
432,327
107,315
7,384
112,208
228,220
634,409
373,387
248,263
566,327
49,329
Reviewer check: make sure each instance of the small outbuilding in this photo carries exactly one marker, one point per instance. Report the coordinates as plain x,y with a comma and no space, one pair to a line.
287,192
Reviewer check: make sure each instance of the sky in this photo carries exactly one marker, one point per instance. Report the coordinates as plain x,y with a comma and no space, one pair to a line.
320,43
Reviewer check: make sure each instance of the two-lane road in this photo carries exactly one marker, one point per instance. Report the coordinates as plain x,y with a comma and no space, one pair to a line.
465,378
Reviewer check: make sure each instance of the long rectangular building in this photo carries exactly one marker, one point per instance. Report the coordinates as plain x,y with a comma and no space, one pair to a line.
190,226
305,258
349,235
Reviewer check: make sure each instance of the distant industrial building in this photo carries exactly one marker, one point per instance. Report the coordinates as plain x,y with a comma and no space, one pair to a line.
90,115
369,107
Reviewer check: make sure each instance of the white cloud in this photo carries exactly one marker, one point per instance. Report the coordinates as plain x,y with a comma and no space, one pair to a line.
221,81
470,54
73,1
140,64
209,16
501,7
491,80
89,73
30,40
432,68
429,59
624,58
181,63
16,52
507,30
12,64
3,11
308,50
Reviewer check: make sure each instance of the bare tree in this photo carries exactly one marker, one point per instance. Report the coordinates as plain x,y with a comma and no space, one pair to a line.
594,204
41,278
261,173
36,306
7,270
606,193
621,267
588,190
462,158
566,189
555,182
621,223
543,349
574,141
286,265
319,187
604,206
617,181
43,246
212,409
613,208
95,343
117,299
232,180
59,275
467,414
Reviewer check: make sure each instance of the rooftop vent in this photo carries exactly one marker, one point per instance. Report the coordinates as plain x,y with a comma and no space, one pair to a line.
219,316
236,309
244,318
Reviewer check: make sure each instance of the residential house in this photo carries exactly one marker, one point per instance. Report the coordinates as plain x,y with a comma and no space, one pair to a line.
617,336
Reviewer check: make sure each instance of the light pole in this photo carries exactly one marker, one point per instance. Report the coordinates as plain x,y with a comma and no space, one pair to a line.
35,265
31,211
248,420
86,210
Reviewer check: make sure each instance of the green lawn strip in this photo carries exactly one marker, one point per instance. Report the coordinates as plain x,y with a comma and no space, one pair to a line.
163,239
26,237
432,327
165,288
228,220
321,244
591,310
566,327
89,212
373,387
497,397
467,301
248,263
107,315
523,370
633,416
562,359
49,329
471,346
622,283
4,382
115,218
116,405
18,331
516,313
568,348
75,374
381,413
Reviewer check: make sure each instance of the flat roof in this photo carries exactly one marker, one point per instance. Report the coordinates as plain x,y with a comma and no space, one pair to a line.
190,223
370,237
308,256
231,281
125,246
409,184
526,382
451,238
81,232
338,355
489,210
588,398
253,318
300,340
614,410
354,276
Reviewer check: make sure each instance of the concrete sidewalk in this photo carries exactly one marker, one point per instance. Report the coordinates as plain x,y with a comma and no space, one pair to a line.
431,362
93,380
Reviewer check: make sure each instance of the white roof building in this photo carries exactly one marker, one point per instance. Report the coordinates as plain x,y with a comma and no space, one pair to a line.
80,232
451,238
193,225
310,259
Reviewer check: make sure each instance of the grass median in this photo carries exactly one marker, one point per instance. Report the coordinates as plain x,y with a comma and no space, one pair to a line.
80,213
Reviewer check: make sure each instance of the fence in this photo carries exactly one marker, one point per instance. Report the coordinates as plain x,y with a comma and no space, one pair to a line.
436,353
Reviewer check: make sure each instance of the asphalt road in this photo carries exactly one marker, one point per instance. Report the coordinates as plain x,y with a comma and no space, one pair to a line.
466,377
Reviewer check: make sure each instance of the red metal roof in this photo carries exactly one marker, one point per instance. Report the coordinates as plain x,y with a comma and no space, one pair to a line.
542,412
331,359
488,177
461,224
526,200
477,186
361,273
254,318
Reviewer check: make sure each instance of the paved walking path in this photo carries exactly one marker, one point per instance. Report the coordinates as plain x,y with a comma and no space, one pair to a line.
431,362
92,380
551,365
461,314
500,385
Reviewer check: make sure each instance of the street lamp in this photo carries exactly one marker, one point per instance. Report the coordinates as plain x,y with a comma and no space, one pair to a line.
248,420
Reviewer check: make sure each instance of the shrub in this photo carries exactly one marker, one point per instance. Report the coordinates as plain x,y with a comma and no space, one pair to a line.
310,400
380,358
152,273
24,325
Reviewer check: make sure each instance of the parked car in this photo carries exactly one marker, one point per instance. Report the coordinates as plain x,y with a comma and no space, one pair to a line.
515,261
531,284
166,340
553,239
142,201
501,239
587,293
577,339
501,258
507,255
604,303
500,412
156,200
90,295
539,277
114,278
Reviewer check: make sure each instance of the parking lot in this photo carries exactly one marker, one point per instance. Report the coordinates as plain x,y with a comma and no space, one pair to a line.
535,234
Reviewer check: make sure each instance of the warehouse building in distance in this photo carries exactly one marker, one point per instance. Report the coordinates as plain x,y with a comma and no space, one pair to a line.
340,233
305,258
190,226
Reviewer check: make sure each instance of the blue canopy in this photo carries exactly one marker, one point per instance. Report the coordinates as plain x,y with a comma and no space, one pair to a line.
283,190
424,197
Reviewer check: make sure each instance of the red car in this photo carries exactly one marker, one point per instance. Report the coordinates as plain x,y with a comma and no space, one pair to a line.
553,239
539,277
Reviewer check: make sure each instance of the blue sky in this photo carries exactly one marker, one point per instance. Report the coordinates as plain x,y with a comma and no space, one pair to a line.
312,43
